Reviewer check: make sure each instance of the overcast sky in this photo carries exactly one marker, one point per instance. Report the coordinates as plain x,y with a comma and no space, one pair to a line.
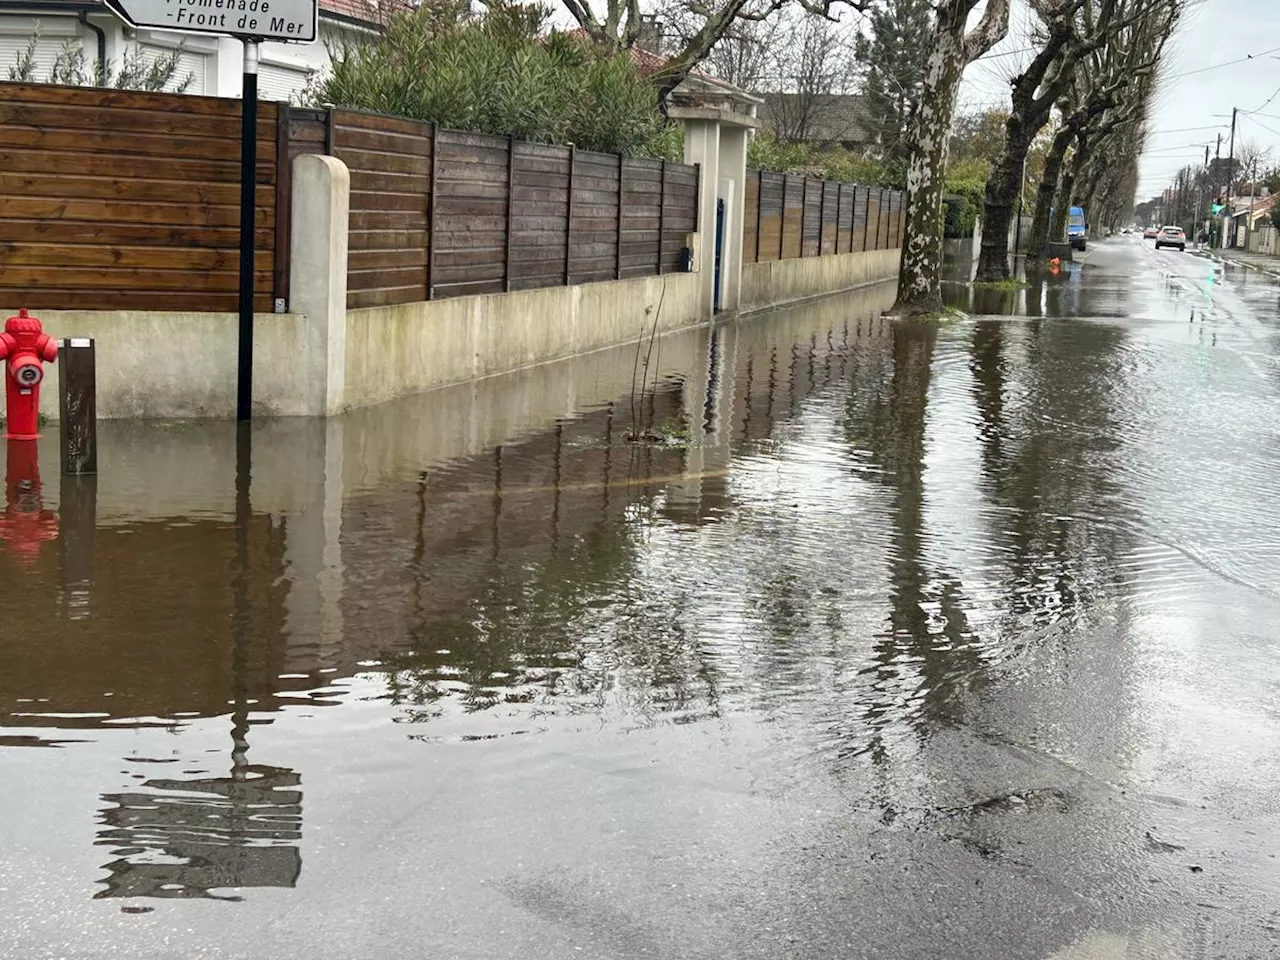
1192,107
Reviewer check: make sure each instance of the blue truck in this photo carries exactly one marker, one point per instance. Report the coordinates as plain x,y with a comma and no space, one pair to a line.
1077,228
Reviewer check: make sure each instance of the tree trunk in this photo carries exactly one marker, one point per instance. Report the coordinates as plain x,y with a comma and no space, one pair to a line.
1039,242
928,142
1062,203
1003,185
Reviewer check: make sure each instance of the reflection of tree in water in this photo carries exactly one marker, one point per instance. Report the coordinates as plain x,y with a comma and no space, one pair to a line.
189,838
1050,431
926,657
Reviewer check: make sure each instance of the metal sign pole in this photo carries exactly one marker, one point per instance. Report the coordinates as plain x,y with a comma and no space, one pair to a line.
248,211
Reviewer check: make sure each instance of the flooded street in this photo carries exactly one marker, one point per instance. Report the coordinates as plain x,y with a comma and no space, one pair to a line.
810,636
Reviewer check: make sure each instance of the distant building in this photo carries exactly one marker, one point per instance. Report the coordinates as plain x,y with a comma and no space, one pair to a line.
821,119
213,63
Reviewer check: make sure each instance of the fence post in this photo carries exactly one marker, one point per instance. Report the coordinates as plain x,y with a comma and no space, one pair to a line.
886,223
511,192
284,172
78,405
329,146
662,213
782,219
839,207
617,273
568,217
822,215
804,211
431,211
866,214
759,210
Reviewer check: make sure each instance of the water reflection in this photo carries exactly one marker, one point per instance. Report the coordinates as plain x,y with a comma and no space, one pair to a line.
203,837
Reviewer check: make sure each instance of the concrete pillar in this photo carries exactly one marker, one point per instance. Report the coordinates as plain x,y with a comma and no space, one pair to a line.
318,277
702,146
733,168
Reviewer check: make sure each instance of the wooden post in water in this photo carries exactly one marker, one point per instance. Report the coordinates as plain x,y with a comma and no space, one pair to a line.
78,405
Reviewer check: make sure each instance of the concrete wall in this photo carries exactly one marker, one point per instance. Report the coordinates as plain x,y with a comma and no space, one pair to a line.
408,348
777,282
180,365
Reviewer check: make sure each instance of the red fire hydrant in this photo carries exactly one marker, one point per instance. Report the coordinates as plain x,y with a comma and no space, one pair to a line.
24,346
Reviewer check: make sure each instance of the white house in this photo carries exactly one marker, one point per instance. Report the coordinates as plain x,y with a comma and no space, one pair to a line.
214,63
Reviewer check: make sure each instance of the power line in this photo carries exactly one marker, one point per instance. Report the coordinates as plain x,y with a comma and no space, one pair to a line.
1161,133
1265,127
1229,63
1265,104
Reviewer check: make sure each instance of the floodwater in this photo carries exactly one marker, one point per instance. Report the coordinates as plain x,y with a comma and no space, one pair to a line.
811,636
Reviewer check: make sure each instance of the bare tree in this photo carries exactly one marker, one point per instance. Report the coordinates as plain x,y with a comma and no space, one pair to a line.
1070,30
1108,97
811,68
620,24
951,46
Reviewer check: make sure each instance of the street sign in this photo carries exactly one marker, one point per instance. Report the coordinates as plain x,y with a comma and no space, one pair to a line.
287,20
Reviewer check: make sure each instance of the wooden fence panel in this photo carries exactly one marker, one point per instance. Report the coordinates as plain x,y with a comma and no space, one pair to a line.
770,238
539,216
639,231
874,225
750,216
471,213
830,218
120,200
844,218
593,246
390,161
679,212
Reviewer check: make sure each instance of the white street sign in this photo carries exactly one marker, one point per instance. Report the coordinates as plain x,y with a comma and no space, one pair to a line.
290,20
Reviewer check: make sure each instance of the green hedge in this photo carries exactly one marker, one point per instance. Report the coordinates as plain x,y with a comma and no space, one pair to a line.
497,73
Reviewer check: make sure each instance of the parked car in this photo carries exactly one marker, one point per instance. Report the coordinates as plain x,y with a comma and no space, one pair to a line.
1150,233
1171,237
1077,228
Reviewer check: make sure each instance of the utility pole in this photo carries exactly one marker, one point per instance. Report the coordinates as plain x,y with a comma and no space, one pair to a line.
1248,220
1231,167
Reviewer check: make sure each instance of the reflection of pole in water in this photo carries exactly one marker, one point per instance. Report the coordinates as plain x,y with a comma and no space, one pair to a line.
191,838
240,597
78,521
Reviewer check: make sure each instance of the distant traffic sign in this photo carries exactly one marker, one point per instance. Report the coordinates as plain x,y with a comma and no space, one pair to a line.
288,20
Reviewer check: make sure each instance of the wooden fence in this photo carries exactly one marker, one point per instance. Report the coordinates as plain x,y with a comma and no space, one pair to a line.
437,213
114,200
790,216
120,200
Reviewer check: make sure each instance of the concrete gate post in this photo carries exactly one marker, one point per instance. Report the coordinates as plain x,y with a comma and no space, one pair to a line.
318,278
715,138
702,146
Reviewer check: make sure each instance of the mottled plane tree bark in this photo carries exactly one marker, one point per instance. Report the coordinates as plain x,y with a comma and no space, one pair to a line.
951,47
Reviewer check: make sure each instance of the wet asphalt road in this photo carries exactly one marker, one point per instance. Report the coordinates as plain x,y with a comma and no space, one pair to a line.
892,641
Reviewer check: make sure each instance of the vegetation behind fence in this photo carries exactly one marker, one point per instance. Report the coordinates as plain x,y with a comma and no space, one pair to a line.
788,216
